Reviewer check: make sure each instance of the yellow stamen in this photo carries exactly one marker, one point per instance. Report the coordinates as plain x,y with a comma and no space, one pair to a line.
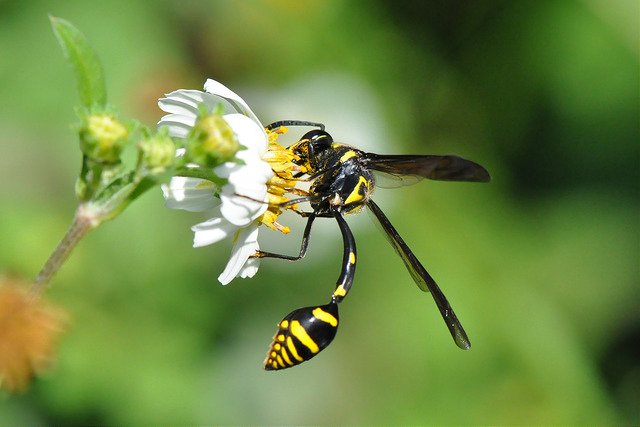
281,161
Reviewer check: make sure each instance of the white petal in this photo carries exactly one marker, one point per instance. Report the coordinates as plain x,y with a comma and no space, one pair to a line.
249,133
191,98
190,194
245,245
250,268
226,169
217,88
212,231
175,105
240,210
255,171
179,125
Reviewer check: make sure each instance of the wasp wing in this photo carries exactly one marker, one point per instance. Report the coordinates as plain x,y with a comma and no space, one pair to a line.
397,170
422,278
389,180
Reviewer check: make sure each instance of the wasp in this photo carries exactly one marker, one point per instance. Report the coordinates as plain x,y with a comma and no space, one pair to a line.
343,180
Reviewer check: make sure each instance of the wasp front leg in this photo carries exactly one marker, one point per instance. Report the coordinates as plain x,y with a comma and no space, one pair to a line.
303,246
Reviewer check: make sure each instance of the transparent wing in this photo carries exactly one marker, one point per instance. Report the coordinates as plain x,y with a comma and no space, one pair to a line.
390,180
422,278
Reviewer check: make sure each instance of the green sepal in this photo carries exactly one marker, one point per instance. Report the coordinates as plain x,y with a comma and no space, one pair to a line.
201,173
84,61
113,198
237,160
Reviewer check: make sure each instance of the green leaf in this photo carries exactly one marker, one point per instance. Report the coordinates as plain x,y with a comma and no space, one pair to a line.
84,61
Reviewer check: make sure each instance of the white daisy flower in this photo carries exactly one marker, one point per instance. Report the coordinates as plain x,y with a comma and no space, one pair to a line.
235,207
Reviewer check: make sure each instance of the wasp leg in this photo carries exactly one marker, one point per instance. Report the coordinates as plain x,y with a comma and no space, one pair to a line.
301,335
303,246
311,216
294,123
422,278
308,198
348,260
298,192
305,197
318,174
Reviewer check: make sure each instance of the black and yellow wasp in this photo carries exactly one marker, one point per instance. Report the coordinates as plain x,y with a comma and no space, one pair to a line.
342,182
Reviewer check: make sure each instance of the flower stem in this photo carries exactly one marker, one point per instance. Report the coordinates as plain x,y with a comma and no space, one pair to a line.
81,225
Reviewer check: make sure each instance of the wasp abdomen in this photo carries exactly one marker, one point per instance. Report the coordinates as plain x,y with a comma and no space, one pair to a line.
301,335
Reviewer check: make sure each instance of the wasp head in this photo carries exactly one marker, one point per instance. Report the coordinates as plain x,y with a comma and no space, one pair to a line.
310,146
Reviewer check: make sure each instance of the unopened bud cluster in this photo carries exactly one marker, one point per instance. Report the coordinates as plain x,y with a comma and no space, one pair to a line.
158,152
102,137
212,141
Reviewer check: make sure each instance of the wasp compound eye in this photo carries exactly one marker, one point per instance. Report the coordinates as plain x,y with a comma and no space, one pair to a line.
318,137
301,335
317,134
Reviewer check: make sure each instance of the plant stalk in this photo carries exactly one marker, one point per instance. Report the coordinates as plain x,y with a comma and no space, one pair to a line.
81,225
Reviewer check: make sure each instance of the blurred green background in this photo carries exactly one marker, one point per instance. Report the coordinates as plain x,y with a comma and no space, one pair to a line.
541,265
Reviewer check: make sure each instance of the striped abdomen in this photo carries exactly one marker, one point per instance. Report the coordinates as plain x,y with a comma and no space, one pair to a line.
301,335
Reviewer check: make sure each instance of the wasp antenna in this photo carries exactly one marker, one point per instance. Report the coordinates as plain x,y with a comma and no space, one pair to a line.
279,123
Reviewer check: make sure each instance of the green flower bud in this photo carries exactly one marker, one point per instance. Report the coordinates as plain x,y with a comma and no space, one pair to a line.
158,152
102,138
212,141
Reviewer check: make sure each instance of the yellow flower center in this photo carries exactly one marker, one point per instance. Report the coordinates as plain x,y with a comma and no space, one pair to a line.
282,183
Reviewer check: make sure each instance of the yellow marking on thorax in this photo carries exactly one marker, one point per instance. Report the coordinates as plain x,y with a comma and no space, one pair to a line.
346,156
352,258
355,195
325,317
294,351
339,292
299,332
